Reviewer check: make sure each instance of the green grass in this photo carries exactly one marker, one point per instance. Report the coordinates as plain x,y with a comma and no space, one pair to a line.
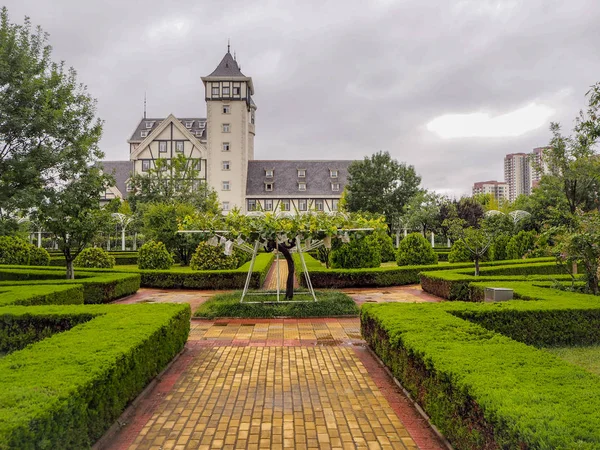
329,304
585,357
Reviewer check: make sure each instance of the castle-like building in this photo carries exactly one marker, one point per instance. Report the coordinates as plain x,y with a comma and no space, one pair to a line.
221,149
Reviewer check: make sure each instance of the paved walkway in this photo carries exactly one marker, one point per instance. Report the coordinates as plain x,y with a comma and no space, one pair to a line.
272,384
271,279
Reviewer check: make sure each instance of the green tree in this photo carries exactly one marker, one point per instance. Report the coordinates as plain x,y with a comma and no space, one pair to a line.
470,210
423,212
162,222
47,119
414,249
173,181
71,211
380,184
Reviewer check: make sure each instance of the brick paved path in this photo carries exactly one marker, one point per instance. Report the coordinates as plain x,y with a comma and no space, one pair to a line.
272,384
271,279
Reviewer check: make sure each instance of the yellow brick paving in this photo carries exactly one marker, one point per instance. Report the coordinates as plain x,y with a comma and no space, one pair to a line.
271,283
274,398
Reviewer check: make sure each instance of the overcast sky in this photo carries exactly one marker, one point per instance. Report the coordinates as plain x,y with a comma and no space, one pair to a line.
447,86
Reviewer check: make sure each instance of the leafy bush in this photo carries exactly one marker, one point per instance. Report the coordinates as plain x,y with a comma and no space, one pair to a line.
154,256
497,251
520,244
415,250
459,253
385,244
14,250
94,258
38,256
357,254
207,257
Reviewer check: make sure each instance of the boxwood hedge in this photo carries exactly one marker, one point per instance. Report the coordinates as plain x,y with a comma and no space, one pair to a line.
481,387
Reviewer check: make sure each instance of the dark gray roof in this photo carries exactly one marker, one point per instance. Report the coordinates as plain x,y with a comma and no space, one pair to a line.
196,129
285,177
228,67
120,170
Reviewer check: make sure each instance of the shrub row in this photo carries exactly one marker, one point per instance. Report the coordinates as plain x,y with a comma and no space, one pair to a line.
98,287
209,279
68,389
380,276
486,390
455,284
41,295
121,259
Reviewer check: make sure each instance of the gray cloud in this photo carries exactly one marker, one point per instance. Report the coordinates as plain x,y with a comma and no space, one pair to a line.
337,79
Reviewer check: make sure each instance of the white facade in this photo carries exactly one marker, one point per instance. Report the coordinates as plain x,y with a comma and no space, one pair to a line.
498,189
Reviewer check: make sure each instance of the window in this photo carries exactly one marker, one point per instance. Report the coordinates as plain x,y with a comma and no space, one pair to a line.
334,205
225,206
162,146
226,165
226,146
149,125
179,146
198,133
301,173
269,205
215,91
319,205
225,186
252,117
236,90
333,173
251,205
225,90
226,128
145,165
269,173
202,124
285,205
226,109
189,124
143,133
268,187
195,185
335,187
301,186
302,205
197,164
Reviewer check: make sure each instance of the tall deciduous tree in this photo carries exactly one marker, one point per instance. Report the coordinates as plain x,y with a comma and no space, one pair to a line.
173,181
380,184
423,212
71,212
47,119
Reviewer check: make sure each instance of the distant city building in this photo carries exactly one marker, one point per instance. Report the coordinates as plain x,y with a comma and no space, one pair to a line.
498,189
517,174
538,164
221,149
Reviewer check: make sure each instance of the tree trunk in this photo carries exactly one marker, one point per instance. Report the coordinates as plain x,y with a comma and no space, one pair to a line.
70,269
289,284
477,265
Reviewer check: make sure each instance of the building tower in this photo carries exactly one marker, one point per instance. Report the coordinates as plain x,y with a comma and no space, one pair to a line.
230,115
517,174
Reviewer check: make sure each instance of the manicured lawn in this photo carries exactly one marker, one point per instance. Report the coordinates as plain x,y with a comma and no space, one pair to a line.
586,357
329,304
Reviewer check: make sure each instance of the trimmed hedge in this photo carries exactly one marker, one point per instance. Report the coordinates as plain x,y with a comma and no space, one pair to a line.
98,287
486,390
455,284
414,250
324,278
94,258
121,259
209,279
68,389
41,295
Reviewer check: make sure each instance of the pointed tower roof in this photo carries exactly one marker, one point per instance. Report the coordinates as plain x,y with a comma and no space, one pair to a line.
228,67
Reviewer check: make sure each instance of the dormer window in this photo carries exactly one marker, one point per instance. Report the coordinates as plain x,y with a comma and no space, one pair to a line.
335,187
268,187
301,173
189,124
202,124
149,124
333,173
301,186
143,133
269,173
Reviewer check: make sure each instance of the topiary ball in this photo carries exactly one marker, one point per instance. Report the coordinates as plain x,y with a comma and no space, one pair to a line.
154,255
359,253
14,250
38,256
415,250
207,257
459,253
94,258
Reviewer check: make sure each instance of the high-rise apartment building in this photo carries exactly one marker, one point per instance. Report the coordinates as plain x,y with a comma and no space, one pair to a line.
498,189
539,166
517,174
